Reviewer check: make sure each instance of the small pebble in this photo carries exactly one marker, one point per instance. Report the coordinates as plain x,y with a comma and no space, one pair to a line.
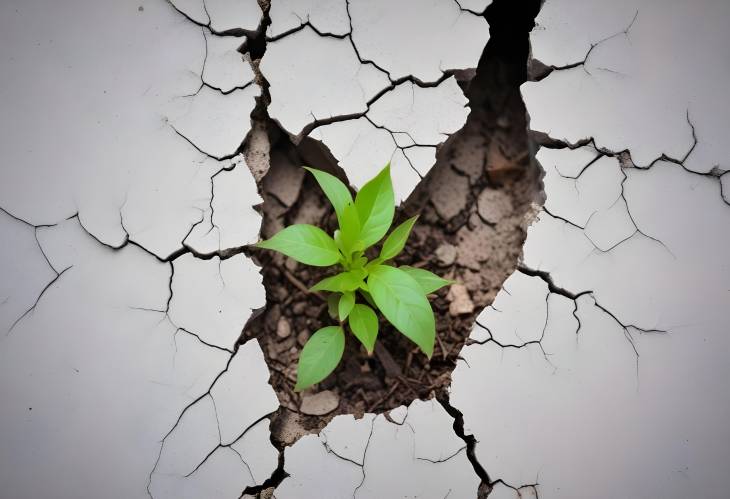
302,338
283,328
320,403
460,300
446,253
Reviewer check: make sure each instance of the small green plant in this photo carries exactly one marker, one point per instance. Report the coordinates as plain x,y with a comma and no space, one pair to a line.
399,293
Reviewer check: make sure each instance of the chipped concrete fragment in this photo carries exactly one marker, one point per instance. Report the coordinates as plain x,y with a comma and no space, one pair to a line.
257,452
348,437
327,16
519,312
115,162
301,64
225,67
222,15
359,458
424,116
455,39
320,403
98,333
214,298
242,395
493,205
229,221
214,123
449,202
460,301
620,63
446,253
284,181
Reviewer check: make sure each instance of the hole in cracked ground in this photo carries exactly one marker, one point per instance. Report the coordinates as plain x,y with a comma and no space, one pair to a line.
474,207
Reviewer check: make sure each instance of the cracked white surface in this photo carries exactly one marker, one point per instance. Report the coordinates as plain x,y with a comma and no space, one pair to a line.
214,298
90,380
618,396
99,357
300,65
455,39
404,127
222,16
518,314
229,222
221,444
596,371
118,155
327,16
225,67
372,458
649,71
215,123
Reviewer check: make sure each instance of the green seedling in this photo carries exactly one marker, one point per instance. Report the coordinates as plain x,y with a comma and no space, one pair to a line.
361,287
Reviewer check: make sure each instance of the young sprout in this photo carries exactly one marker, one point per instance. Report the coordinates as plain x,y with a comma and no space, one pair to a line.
361,287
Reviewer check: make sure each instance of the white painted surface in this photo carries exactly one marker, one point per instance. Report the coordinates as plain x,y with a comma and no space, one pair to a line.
636,89
373,458
454,39
327,16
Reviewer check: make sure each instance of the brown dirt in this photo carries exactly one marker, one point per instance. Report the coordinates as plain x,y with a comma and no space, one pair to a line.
474,207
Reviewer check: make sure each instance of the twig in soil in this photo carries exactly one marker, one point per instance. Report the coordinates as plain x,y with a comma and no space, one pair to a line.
441,345
407,384
299,284
384,397
392,369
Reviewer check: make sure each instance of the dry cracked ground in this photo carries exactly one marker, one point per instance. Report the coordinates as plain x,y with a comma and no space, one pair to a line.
567,160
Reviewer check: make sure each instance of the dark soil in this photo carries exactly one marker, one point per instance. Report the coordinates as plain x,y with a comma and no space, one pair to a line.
474,207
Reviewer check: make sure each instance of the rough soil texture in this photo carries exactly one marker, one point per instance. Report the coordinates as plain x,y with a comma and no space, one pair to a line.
474,207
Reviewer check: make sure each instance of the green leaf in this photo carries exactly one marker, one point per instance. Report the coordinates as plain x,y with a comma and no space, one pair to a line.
403,303
320,356
375,204
428,281
344,281
304,243
337,192
364,325
396,241
347,301
350,230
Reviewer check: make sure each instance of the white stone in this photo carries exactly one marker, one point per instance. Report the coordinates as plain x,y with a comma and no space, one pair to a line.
438,36
214,298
